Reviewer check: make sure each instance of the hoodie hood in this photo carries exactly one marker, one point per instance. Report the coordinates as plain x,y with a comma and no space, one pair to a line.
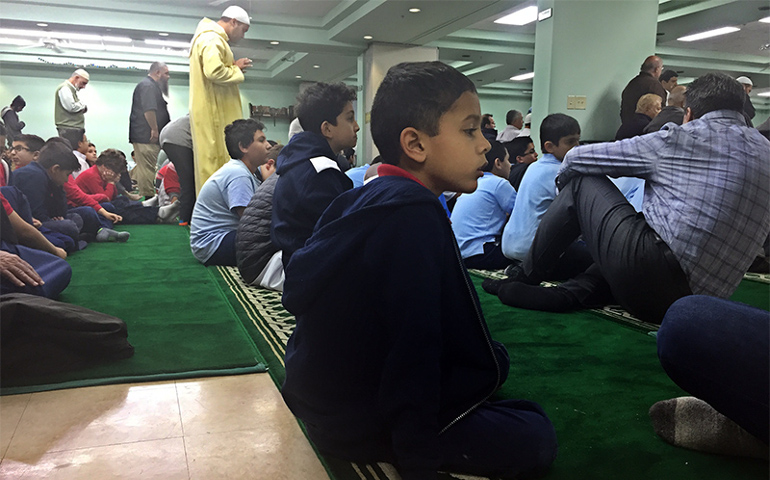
208,26
345,227
303,146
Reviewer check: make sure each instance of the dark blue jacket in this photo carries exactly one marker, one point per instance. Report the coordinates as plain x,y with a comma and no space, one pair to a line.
390,344
309,180
46,199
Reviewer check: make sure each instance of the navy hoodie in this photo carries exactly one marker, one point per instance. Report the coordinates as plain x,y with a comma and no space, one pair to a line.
390,345
309,180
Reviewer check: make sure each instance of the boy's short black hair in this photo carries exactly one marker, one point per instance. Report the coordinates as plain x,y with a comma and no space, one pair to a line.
496,151
57,151
33,142
486,120
713,91
74,136
322,102
414,95
517,147
557,126
239,134
667,75
18,101
113,159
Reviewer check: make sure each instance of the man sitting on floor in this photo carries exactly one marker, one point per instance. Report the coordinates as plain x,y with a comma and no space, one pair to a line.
705,211
225,195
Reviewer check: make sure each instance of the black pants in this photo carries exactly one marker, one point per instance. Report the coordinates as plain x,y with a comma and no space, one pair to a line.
642,272
182,158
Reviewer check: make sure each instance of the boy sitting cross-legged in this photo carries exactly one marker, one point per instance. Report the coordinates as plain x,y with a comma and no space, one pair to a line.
402,372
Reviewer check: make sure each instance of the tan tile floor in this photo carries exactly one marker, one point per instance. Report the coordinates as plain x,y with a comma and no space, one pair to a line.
210,428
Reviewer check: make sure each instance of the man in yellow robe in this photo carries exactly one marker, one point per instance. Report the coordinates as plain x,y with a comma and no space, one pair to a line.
215,101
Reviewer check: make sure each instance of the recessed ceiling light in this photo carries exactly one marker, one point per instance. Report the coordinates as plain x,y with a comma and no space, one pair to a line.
414,10
42,24
519,17
316,66
764,94
708,34
523,76
163,34
274,43
297,76
368,37
763,20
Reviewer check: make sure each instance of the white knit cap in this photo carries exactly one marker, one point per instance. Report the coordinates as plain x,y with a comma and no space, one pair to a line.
528,118
744,81
81,73
237,13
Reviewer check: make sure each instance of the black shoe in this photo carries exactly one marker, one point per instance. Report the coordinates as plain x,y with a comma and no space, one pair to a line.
492,286
515,274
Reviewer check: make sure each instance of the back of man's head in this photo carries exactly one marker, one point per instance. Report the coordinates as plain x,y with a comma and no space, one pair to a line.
648,103
57,151
518,147
113,159
496,152
18,102
408,97
676,98
239,134
156,67
74,136
322,102
33,142
556,126
651,63
512,116
711,92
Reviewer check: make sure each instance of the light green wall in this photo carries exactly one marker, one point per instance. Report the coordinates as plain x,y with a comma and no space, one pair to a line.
108,96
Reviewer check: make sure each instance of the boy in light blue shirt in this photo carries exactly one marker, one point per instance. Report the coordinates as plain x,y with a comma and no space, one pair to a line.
225,195
478,218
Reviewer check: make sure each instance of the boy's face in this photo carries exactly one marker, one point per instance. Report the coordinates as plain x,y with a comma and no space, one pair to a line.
502,167
565,145
22,155
342,135
530,155
259,149
91,154
455,156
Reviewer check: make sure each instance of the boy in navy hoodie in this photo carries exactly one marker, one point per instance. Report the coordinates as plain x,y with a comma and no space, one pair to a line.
309,175
403,372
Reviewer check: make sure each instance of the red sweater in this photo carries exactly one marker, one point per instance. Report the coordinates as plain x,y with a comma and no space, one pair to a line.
78,198
91,182
170,179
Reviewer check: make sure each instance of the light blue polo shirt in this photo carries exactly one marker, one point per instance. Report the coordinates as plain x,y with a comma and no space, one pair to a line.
213,217
480,216
536,192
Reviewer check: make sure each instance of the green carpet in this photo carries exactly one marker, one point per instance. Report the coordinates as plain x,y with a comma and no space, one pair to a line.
179,321
595,373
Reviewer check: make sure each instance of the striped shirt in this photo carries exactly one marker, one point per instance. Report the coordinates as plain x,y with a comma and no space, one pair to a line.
707,192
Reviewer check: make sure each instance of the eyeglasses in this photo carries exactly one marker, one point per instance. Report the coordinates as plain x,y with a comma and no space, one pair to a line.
18,148
532,152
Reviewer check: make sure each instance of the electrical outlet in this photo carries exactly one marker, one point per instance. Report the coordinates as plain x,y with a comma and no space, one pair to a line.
580,102
571,102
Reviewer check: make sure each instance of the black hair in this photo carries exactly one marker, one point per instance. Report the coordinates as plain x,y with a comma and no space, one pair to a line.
496,151
239,134
33,142
322,102
408,97
557,126
518,147
511,116
57,151
486,120
18,102
713,91
74,136
113,159
667,75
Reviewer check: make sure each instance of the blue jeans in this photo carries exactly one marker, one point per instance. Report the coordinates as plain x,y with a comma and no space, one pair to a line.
719,351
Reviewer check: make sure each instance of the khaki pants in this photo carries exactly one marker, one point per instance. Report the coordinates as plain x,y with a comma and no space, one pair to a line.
146,157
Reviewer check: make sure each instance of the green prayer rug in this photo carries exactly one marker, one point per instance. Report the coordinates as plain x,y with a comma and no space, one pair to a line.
596,373
179,321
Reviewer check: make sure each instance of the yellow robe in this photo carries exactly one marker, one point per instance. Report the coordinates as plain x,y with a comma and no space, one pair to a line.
215,101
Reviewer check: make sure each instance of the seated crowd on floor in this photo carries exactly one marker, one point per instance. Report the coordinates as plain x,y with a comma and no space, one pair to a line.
668,210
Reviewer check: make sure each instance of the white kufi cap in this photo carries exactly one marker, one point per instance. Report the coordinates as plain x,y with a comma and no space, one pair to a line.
744,81
237,13
82,73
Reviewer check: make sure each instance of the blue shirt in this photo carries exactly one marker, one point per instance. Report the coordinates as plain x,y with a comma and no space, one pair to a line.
213,217
480,216
707,192
536,192
357,175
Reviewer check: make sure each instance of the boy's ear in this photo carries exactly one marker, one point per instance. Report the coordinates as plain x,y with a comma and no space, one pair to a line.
548,146
35,155
687,115
326,129
412,144
243,150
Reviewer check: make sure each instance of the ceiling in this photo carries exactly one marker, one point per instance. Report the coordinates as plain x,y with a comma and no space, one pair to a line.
321,40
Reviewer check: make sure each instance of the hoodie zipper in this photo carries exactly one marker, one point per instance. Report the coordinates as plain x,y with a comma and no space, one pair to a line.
486,337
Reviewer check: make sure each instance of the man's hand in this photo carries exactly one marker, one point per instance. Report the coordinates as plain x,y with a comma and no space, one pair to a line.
243,63
17,271
58,218
154,135
36,223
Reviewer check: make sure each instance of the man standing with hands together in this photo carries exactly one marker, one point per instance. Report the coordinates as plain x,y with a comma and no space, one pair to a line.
215,101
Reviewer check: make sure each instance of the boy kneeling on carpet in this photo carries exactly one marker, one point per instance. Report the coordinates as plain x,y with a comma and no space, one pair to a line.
403,371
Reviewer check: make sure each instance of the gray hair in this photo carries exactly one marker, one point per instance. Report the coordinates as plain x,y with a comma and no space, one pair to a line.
156,67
